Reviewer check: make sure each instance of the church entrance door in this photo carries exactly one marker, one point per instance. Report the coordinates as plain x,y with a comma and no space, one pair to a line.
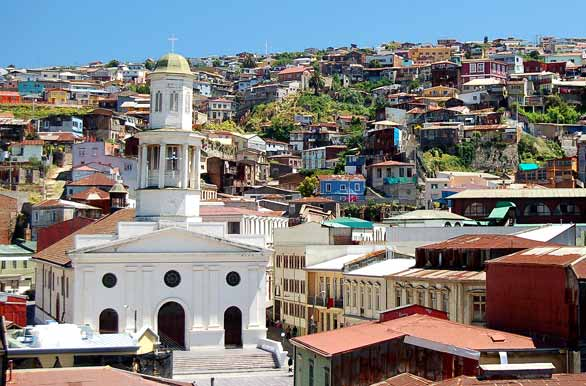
233,327
171,326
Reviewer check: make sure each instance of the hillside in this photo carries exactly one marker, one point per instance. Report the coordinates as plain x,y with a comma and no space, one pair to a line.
25,111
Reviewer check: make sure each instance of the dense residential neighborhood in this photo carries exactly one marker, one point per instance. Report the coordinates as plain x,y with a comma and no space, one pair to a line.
403,214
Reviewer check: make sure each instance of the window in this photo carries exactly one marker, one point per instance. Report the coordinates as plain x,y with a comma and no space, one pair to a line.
187,103
479,308
398,296
158,101
311,372
409,296
354,304
3,265
172,278
328,187
326,376
446,302
389,172
401,172
537,209
377,298
174,101
379,173
434,186
409,172
421,298
433,300
13,264
24,264
343,187
233,278
472,67
369,296
109,280
172,157
476,209
234,227
480,67
567,208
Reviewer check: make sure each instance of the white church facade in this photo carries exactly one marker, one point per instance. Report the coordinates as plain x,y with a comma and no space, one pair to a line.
192,282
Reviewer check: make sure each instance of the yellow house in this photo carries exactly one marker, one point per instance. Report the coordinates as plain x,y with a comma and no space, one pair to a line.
57,96
440,91
430,54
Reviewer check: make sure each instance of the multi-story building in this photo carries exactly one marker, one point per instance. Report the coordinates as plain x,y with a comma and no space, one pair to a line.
398,180
513,61
49,212
220,109
324,157
338,187
429,55
483,69
556,173
449,276
441,135
445,73
62,123
542,81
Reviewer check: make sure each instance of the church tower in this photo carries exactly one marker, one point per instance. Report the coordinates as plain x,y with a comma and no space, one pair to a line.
169,151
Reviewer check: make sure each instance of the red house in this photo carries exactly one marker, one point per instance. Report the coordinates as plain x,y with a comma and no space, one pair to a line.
293,73
482,69
13,308
9,97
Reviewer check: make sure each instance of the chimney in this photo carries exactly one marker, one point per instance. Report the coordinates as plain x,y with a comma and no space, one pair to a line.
28,233
517,371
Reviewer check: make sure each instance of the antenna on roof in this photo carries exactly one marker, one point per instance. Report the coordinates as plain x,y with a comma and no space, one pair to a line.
173,39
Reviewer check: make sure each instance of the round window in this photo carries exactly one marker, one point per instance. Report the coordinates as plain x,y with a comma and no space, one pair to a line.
172,278
233,278
109,280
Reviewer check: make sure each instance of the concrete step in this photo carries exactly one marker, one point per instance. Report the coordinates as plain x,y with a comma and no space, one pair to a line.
222,361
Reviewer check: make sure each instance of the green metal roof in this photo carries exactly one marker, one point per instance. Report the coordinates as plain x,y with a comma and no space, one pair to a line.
350,222
525,167
505,204
499,213
14,250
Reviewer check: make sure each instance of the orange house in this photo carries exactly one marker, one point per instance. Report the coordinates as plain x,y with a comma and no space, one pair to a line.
9,97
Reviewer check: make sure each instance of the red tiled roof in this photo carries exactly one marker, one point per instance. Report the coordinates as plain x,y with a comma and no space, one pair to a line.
488,241
341,177
424,327
91,193
96,179
391,163
9,93
57,253
82,376
404,379
293,70
555,380
547,256
32,142
304,200
85,168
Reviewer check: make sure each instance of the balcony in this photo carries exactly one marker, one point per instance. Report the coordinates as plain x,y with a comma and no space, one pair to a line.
400,180
322,301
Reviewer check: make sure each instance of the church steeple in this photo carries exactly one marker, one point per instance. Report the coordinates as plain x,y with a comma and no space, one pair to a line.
169,156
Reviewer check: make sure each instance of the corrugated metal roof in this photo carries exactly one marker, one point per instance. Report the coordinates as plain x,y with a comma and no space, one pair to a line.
487,241
383,268
336,264
520,193
552,256
440,274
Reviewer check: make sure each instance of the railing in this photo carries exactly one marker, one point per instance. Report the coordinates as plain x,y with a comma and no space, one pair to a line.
172,178
169,344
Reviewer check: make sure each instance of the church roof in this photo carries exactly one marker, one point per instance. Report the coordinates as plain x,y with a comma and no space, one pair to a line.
57,253
173,64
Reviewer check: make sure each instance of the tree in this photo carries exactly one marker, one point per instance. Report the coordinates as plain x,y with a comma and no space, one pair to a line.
375,64
414,84
534,55
113,63
150,64
308,186
248,62
216,63
140,88
316,81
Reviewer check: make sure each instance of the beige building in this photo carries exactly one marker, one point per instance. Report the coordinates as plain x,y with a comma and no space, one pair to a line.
430,54
366,286
462,294
308,245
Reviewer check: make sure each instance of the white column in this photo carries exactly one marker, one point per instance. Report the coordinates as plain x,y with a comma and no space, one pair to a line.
198,294
197,167
147,306
130,291
214,298
162,164
143,176
184,166
253,292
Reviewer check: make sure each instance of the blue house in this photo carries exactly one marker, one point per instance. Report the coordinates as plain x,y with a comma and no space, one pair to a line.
30,88
343,188
355,164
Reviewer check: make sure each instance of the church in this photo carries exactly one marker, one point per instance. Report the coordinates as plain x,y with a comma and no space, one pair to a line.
190,281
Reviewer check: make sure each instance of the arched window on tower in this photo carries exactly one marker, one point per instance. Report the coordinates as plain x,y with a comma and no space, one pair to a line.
187,103
174,101
158,101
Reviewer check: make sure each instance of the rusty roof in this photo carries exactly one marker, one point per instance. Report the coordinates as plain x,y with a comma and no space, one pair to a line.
487,241
404,379
391,163
82,376
545,256
438,275
341,177
91,193
311,199
424,327
555,380
57,253
96,179
293,70
31,142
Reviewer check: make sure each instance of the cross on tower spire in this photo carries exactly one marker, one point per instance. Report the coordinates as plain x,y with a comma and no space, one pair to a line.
173,39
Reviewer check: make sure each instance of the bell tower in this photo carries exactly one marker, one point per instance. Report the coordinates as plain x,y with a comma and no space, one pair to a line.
169,151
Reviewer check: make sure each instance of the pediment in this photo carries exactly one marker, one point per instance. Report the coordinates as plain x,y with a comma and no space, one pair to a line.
173,240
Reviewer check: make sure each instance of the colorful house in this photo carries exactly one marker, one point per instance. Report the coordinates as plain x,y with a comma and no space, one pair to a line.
349,188
30,88
57,96
9,97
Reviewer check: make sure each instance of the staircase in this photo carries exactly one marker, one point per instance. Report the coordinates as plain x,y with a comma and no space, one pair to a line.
215,361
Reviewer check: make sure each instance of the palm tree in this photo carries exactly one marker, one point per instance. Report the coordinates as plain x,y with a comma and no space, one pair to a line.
316,81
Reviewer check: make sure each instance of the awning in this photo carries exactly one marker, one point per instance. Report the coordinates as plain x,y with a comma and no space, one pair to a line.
499,213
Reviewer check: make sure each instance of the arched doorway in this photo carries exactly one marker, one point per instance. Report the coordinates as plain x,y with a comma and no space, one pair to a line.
108,321
171,325
233,327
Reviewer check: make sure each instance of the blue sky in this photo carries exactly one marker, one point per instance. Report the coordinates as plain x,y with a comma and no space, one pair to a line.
51,32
